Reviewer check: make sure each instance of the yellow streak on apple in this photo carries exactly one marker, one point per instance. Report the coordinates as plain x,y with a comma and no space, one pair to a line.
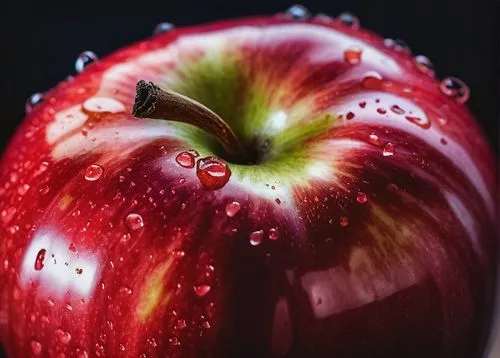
65,201
153,291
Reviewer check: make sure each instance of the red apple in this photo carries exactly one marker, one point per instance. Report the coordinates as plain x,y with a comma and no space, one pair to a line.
357,221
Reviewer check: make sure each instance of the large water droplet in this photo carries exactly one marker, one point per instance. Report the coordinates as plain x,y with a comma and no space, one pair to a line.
185,160
352,55
456,89
256,237
85,59
232,208
163,27
32,101
201,290
348,19
361,197
40,257
93,172
389,149
424,65
298,12
134,221
36,347
212,172
62,336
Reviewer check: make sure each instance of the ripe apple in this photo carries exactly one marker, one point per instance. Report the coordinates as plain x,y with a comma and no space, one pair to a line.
296,186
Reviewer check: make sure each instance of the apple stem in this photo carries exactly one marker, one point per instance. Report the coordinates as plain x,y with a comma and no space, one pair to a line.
152,101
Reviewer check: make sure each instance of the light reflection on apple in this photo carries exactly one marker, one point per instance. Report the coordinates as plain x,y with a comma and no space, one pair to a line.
63,271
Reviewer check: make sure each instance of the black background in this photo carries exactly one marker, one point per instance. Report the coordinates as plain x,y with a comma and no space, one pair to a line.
40,40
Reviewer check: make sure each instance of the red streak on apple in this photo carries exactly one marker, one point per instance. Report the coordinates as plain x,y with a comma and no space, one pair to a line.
363,228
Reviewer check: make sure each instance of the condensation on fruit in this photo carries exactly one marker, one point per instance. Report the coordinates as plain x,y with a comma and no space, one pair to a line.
185,159
352,55
84,59
344,221
32,101
93,172
273,234
455,88
232,208
212,172
62,336
134,221
397,110
36,347
163,27
424,65
201,290
39,260
348,19
422,122
361,197
389,149
256,237
297,12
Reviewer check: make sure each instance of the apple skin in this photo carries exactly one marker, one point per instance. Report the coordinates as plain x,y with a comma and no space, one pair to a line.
372,237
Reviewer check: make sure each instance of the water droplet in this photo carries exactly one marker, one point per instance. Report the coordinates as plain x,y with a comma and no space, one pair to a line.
348,19
373,139
93,172
121,347
205,325
352,55
36,347
72,247
371,80
44,190
79,271
274,234
180,324
32,101
185,159
126,290
421,122
84,59
297,12
212,172
381,110
456,89
396,109
389,43
362,104
81,353
40,257
163,27
344,221
62,336
350,115
424,65
402,46
134,221
23,189
232,208
389,149
361,197
178,253
256,237
201,290
278,201
443,141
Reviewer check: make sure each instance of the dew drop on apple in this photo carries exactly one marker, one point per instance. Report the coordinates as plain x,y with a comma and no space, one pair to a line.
298,12
93,172
163,27
424,65
443,141
201,290
455,88
36,347
32,101
185,159
389,149
372,80
352,55
389,43
350,115
81,353
212,172
274,234
396,109
256,237
180,324
373,139
361,197
348,19
344,221
23,189
205,325
232,208
84,59
40,258
381,111
62,336
134,221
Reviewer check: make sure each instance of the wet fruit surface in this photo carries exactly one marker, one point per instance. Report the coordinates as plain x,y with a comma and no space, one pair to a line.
364,228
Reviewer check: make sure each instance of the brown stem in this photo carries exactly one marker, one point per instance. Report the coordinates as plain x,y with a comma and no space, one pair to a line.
153,102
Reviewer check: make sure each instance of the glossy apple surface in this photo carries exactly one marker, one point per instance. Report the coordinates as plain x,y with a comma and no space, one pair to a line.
362,228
